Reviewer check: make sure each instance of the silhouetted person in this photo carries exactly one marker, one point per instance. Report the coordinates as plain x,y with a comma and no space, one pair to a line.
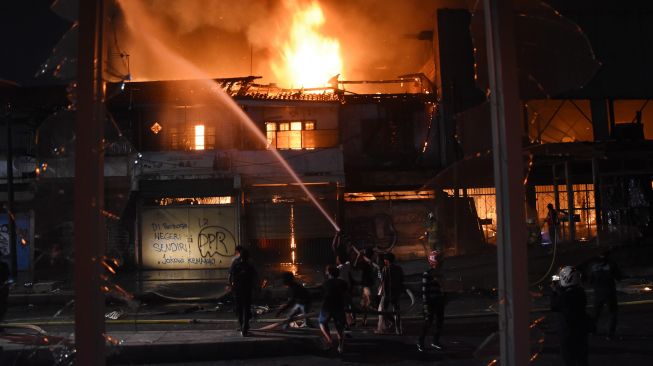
299,300
603,276
235,259
333,307
345,268
339,246
432,303
367,267
390,289
552,221
569,300
243,283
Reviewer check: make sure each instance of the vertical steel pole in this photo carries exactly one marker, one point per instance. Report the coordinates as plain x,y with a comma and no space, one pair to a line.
596,182
89,188
570,203
11,215
507,133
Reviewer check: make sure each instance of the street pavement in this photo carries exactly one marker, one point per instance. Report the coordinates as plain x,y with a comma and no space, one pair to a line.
187,319
211,338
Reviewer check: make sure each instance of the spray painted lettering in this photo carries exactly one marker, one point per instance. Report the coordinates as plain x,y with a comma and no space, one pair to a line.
4,239
213,240
171,247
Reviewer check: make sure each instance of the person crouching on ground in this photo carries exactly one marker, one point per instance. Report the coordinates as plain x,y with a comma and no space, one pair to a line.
432,302
298,302
333,307
243,281
569,300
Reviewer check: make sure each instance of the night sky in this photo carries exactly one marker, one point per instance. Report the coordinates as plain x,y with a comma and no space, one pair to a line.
29,31
621,33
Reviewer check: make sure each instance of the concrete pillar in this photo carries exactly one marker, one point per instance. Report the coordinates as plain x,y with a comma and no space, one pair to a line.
89,188
507,134
600,124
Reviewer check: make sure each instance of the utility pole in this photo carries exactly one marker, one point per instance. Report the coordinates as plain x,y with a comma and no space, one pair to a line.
507,133
89,187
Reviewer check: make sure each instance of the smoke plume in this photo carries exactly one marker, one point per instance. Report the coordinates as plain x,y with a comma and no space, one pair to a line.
229,38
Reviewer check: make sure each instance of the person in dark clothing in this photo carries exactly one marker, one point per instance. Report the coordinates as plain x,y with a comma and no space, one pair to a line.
234,260
390,289
344,267
243,281
333,307
552,221
569,301
367,267
432,302
603,276
299,299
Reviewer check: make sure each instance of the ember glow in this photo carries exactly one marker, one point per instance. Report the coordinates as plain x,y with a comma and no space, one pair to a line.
308,58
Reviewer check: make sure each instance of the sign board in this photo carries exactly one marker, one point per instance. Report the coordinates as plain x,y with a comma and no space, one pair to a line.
23,240
188,237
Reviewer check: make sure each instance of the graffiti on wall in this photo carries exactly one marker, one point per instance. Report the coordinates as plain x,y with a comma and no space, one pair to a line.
4,240
23,240
188,238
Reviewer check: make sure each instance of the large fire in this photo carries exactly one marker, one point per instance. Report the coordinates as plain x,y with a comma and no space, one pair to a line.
308,58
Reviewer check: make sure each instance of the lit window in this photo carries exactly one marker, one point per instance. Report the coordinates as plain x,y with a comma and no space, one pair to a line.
296,135
199,137
271,132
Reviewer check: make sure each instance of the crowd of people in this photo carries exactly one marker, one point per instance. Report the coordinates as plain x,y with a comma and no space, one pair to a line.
345,280
568,299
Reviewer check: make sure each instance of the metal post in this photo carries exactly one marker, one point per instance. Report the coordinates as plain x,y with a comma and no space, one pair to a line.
596,182
89,188
611,118
559,228
570,204
556,191
508,175
11,215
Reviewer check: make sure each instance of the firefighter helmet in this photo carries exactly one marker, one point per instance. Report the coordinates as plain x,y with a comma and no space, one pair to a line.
569,276
434,257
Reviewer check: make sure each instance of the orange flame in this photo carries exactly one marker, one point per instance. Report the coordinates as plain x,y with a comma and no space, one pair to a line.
308,58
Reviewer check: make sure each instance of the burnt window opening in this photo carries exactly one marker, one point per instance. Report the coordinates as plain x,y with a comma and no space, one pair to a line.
298,135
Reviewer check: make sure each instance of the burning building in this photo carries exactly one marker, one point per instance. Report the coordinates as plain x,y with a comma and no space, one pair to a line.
200,167
392,127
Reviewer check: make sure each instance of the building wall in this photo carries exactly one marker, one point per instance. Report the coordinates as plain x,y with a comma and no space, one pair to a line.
200,237
388,133
389,224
